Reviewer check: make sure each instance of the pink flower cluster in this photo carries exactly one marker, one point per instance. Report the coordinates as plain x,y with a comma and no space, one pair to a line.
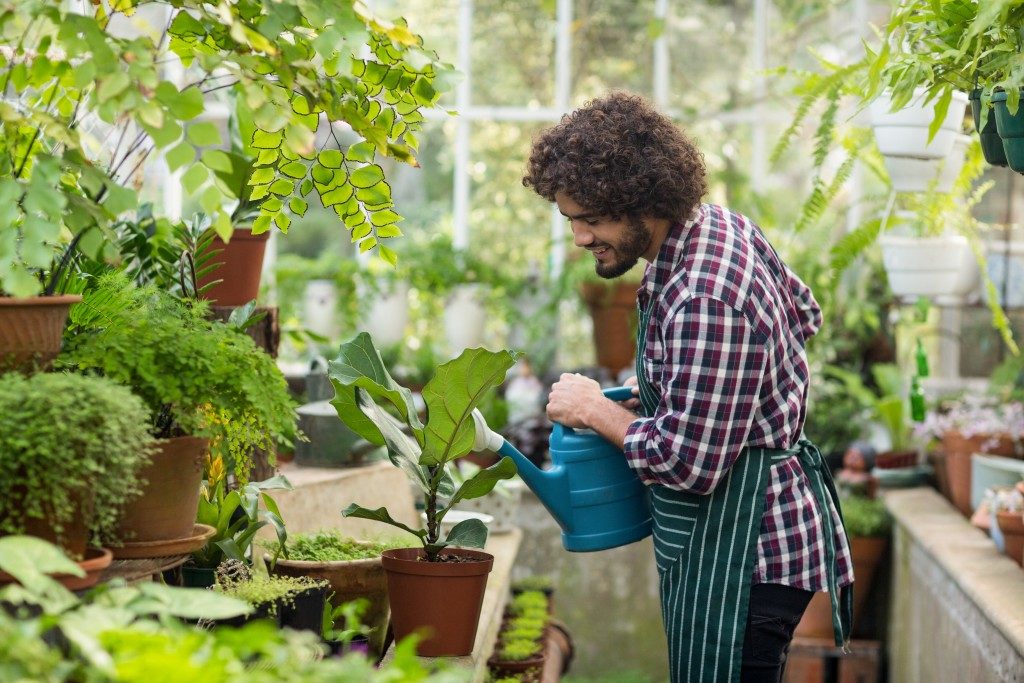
975,415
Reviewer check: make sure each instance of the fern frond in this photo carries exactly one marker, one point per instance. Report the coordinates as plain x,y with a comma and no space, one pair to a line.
852,245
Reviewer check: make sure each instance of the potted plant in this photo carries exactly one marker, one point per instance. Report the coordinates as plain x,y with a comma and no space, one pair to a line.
71,449
888,407
352,568
968,425
436,586
295,602
868,525
206,384
1008,506
236,517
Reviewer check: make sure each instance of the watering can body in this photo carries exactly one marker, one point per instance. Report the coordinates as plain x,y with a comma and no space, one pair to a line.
593,494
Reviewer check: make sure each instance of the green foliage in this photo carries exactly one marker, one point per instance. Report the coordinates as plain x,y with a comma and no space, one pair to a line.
234,533
886,401
66,440
518,650
360,380
197,376
127,634
293,63
268,590
331,545
534,582
865,517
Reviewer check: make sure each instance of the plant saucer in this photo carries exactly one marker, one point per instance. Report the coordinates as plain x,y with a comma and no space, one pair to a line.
201,533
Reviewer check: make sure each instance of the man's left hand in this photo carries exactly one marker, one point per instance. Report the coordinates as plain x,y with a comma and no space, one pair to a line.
571,399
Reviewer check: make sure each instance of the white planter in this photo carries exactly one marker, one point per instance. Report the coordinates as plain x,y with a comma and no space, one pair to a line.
938,267
319,307
387,315
908,174
464,318
905,132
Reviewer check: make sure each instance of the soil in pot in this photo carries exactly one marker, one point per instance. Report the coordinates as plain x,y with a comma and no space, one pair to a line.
443,599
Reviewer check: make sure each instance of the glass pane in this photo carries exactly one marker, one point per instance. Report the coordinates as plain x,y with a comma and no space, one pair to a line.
612,47
513,53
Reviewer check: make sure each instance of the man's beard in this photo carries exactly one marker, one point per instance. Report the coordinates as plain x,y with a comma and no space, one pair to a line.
635,242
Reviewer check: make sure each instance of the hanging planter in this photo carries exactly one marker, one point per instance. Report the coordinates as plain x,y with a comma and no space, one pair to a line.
319,307
988,132
1011,131
388,314
465,317
909,174
31,329
904,133
937,267
239,270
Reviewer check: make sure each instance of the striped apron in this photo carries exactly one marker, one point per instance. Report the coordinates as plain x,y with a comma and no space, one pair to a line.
706,546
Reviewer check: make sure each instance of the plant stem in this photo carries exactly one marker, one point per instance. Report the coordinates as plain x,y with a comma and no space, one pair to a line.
35,136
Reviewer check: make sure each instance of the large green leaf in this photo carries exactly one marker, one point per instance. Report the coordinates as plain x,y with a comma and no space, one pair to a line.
403,450
469,533
482,483
359,366
452,394
379,515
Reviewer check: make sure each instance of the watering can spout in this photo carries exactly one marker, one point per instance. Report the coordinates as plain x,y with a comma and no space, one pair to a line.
551,486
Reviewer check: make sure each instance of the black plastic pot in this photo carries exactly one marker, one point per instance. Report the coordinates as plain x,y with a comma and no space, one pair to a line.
991,143
1011,130
262,611
304,611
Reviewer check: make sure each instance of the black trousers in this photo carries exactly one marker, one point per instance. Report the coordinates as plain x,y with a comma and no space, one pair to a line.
774,613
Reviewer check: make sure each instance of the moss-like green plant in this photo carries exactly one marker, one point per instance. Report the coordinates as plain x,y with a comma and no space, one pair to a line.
331,545
865,517
519,650
529,599
522,633
268,590
363,388
528,622
535,582
197,376
69,446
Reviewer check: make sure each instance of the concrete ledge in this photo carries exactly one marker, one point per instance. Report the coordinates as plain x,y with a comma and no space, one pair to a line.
958,604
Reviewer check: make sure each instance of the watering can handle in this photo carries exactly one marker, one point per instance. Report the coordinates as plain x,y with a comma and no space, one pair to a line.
615,394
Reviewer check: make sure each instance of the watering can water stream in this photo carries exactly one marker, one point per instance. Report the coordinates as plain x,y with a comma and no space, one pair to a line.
590,491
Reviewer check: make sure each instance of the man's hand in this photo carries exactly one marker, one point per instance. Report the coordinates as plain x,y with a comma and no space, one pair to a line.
632,403
571,398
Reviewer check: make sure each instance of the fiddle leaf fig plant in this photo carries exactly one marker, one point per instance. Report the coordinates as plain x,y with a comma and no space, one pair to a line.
372,404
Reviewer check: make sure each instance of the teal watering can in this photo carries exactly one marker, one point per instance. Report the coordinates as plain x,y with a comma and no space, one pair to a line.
590,491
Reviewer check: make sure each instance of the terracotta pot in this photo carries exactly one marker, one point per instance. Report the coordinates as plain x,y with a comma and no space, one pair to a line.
31,330
613,310
867,554
958,450
895,459
441,598
1012,526
75,535
96,560
350,580
167,508
527,670
241,264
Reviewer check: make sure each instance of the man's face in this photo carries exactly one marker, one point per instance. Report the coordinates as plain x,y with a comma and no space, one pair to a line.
617,244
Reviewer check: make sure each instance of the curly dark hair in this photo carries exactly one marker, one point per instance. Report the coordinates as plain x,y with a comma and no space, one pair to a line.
618,156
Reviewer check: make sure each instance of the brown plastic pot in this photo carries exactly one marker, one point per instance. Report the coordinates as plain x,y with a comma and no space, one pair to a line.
895,459
239,270
527,670
1012,526
441,600
167,508
31,330
350,580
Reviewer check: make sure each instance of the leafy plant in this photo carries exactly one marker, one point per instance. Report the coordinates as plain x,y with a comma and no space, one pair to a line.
70,447
534,582
330,545
518,650
88,105
236,516
127,633
865,517
350,614
886,403
197,376
365,391
272,591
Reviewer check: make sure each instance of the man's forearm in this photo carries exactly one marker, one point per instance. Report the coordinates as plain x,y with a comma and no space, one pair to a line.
610,420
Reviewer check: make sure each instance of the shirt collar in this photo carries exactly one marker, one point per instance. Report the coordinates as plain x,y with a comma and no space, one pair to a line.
670,254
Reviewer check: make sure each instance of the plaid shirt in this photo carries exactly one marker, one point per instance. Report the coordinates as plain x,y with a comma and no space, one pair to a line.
725,351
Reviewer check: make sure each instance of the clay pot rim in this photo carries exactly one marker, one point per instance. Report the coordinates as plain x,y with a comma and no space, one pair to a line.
55,300
410,561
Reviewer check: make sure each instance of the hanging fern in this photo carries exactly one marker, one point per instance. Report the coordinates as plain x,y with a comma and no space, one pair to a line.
852,245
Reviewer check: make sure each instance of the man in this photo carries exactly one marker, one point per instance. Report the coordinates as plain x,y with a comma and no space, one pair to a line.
747,527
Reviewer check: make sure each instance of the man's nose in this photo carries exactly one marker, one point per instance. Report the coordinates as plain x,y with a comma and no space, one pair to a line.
581,234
